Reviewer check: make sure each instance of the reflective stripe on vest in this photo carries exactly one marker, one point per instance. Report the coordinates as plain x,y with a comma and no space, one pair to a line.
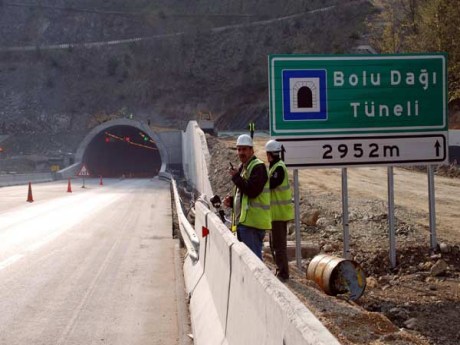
281,196
255,212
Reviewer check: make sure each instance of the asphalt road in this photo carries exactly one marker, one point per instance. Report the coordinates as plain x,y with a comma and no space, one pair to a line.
95,266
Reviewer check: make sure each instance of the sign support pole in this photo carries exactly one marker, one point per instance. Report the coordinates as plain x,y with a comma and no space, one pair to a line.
391,217
433,240
346,233
298,249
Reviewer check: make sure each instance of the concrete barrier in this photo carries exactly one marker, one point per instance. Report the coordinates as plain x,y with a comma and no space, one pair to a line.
206,320
18,179
235,299
196,158
276,315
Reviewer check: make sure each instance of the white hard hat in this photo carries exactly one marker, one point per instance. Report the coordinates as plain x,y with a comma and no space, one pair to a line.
244,140
273,146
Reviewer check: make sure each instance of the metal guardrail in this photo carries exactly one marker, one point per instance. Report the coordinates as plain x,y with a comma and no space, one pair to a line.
188,233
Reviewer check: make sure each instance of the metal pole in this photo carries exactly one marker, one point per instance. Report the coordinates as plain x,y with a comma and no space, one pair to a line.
433,240
391,216
346,233
298,249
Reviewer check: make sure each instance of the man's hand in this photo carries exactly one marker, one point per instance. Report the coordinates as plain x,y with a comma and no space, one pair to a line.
228,201
232,171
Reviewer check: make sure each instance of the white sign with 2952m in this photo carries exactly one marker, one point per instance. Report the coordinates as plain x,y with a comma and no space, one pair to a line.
357,151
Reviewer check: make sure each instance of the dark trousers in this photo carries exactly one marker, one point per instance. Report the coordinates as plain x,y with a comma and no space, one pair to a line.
251,237
278,242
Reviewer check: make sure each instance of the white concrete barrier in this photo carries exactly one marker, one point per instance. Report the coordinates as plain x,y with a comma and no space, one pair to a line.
196,158
236,300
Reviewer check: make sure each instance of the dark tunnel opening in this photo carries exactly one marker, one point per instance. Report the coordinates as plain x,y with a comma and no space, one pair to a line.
122,151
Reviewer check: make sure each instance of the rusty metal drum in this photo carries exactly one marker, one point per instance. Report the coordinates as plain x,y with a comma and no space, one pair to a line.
337,276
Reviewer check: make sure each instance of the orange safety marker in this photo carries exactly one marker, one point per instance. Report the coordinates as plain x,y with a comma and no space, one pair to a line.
69,187
100,182
29,194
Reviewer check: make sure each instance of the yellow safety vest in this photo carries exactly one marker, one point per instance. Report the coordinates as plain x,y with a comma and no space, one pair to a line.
255,212
281,196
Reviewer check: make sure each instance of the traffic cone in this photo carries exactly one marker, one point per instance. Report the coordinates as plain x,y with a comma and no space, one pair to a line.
69,187
29,195
100,182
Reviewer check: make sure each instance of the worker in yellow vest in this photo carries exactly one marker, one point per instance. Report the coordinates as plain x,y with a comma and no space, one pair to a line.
250,201
282,209
252,129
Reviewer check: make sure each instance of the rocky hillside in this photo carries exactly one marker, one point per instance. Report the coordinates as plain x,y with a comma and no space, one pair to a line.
164,61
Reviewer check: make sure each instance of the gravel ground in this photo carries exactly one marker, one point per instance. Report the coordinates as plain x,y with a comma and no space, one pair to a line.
416,302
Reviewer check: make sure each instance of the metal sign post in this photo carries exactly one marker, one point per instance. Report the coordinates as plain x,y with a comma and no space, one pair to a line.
298,247
391,216
346,234
83,172
433,239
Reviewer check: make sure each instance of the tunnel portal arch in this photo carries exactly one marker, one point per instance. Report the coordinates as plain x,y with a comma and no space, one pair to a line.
120,147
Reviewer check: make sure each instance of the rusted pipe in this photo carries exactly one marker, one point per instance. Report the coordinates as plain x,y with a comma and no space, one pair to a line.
337,276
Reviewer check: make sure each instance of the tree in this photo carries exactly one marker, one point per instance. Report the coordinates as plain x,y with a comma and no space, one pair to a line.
395,23
421,26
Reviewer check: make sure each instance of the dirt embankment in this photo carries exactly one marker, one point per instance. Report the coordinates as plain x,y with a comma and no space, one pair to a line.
416,302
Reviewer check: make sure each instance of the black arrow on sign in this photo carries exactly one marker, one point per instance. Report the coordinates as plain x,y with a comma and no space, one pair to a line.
437,146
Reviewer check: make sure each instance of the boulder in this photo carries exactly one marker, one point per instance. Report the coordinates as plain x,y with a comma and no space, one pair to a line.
371,282
445,248
440,267
310,217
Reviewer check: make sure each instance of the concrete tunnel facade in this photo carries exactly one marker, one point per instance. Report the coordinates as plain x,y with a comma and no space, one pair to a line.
123,147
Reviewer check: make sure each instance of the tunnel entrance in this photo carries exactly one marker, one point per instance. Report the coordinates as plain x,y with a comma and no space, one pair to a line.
122,150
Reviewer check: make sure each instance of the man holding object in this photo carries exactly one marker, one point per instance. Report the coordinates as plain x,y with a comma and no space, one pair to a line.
250,201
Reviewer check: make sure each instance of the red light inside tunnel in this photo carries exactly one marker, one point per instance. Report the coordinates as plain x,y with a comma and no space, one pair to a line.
121,150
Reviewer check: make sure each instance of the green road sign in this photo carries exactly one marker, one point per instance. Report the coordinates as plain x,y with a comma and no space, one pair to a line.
317,95
360,109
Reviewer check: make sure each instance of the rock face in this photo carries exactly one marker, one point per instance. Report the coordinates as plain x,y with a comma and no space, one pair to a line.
213,59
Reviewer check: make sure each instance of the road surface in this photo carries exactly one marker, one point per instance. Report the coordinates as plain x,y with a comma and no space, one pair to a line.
95,266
